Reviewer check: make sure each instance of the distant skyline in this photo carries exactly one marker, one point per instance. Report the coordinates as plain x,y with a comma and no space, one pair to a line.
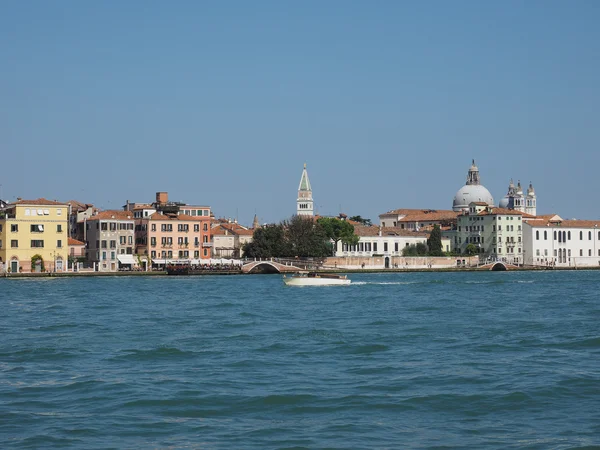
222,103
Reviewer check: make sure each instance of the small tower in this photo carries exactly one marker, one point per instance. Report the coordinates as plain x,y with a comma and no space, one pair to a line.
304,204
473,175
255,224
530,201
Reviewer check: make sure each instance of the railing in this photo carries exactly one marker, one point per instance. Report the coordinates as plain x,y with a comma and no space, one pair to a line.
207,244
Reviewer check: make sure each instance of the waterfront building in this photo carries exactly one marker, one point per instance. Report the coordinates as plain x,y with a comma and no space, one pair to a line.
33,236
78,214
304,202
228,239
163,205
515,199
76,248
382,241
174,238
496,233
110,240
418,219
553,241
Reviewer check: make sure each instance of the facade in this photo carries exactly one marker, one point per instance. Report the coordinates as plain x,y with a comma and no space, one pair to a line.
171,239
76,248
386,242
496,232
552,241
304,202
472,191
417,219
515,199
229,239
78,214
110,240
30,228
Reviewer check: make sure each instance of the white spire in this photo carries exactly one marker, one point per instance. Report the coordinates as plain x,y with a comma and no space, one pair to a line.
304,203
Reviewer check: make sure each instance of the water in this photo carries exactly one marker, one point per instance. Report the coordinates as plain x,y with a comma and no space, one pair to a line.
414,360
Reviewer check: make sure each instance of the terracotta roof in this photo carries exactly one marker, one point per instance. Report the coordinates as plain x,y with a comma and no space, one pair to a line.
139,207
117,214
75,242
40,202
406,212
387,231
77,205
501,212
232,228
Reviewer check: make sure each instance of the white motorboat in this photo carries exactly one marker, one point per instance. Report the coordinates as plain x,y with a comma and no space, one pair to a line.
316,279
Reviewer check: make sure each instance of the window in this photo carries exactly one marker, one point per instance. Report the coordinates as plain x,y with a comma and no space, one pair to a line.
37,243
103,244
555,237
104,226
196,227
537,238
122,240
14,243
59,244
537,252
589,236
545,235
153,241
590,252
103,256
205,227
580,252
170,254
113,255
113,244
581,235
395,246
385,246
36,228
14,228
153,254
130,240
205,252
204,238
499,227
374,246
153,227
196,254
59,228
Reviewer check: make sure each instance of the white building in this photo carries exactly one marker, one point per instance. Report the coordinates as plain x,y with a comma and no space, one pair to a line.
552,241
380,241
304,203
515,199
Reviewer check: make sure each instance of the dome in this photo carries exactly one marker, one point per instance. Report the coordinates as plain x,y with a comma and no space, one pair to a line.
504,202
471,193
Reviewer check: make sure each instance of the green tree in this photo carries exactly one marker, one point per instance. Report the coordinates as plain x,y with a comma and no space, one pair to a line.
338,230
419,249
306,238
267,242
359,219
435,242
471,250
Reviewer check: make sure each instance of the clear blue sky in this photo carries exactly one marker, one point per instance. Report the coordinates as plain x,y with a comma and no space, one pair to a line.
221,103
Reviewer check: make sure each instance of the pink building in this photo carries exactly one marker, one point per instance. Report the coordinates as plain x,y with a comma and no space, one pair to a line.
174,238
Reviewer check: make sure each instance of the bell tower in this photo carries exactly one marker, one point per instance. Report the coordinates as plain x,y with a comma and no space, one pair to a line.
304,203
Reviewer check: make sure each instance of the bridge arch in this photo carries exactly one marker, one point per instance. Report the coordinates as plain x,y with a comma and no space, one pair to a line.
498,267
263,267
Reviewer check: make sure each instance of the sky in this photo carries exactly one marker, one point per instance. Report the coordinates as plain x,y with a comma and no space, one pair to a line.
221,103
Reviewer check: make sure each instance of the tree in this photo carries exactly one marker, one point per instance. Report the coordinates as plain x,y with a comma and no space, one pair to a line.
359,219
306,238
419,249
267,242
338,230
435,242
471,250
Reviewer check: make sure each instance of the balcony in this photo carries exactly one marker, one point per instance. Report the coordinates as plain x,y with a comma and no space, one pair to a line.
207,244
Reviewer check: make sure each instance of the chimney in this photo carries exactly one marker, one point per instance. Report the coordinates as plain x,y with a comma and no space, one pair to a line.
162,198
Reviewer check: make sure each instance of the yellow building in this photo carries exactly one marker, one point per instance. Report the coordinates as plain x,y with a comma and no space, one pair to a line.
30,228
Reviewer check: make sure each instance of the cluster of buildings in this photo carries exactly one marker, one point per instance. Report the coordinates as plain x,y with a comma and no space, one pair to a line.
47,235
511,232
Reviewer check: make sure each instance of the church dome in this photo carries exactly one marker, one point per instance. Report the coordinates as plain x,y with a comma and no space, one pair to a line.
471,193
504,202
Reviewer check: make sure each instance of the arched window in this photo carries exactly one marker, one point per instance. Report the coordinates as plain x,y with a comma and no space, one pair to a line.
554,234
565,237
204,238
205,227
559,236
537,235
545,235
581,235
589,235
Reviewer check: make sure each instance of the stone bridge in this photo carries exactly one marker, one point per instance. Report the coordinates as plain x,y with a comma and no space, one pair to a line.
268,267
